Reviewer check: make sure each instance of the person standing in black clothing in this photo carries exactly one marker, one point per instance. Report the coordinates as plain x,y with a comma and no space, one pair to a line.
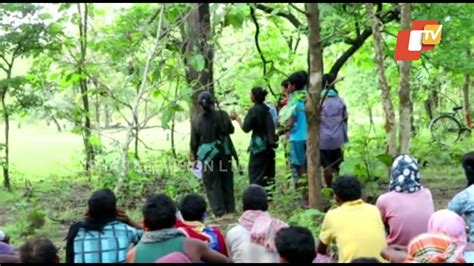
210,144
263,142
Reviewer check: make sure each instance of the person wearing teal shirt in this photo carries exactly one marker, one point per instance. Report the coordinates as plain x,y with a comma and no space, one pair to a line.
297,126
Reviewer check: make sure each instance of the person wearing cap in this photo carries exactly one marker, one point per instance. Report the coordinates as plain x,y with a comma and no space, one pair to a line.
210,144
105,235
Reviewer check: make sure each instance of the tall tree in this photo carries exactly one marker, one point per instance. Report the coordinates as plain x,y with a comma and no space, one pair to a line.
87,128
313,107
199,53
404,92
389,113
136,104
361,34
465,90
24,33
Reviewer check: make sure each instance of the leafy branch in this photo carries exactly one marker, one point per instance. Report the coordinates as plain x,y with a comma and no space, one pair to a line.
259,49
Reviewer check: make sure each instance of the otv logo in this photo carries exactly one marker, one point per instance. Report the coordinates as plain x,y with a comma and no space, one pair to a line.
423,36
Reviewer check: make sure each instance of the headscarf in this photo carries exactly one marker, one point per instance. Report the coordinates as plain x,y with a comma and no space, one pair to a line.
405,175
175,257
448,222
262,227
433,248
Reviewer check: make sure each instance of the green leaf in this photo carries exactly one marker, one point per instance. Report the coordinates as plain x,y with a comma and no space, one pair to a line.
197,62
275,11
54,76
55,28
166,118
235,21
100,12
64,6
385,159
45,16
94,140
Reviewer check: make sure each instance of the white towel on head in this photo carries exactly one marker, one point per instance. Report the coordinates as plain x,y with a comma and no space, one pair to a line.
2,235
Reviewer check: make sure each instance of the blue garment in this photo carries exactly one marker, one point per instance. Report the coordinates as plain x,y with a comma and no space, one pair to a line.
331,93
299,130
109,246
298,152
463,205
469,256
214,243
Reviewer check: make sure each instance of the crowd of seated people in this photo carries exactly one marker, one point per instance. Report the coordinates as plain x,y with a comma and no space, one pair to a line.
402,227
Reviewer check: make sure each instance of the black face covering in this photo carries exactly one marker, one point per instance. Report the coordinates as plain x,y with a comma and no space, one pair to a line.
206,100
469,170
470,178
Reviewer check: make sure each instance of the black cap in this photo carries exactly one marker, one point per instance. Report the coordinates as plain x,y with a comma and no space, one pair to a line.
205,98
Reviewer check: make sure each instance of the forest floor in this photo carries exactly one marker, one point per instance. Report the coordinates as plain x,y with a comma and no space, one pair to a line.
42,161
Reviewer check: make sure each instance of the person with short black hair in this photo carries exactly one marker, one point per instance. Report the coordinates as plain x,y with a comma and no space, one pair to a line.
39,250
295,244
193,211
463,202
162,238
356,225
252,240
259,120
333,129
297,127
366,260
105,235
212,146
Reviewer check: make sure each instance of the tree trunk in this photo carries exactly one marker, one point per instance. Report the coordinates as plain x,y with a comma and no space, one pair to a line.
313,107
436,97
467,99
371,115
137,129
197,38
136,103
90,154
404,92
6,160
429,104
58,126
173,125
107,116
389,112
97,114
